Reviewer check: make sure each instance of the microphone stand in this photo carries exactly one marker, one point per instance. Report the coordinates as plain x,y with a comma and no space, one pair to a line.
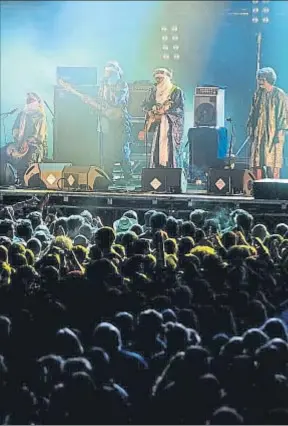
53,123
99,125
230,165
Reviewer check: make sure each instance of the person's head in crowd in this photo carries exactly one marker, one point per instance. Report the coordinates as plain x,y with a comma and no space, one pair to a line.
199,235
128,240
185,245
211,226
188,229
274,327
124,321
81,253
177,338
87,230
281,229
3,254
81,240
141,246
107,337
35,219
158,221
7,228
35,246
76,365
198,217
105,238
59,226
242,220
131,214
147,218
100,362
229,239
74,222
253,339
5,274
87,216
30,257
226,416
260,231
24,230
171,227
137,229
67,344
100,269
170,246
169,316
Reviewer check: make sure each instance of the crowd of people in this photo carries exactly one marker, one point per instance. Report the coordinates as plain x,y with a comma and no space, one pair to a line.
160,321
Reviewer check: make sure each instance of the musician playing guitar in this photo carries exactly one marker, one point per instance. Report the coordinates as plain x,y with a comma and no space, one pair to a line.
30,138
164,107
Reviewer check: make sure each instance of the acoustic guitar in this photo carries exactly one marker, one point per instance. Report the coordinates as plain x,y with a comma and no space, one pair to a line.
103,109
153,117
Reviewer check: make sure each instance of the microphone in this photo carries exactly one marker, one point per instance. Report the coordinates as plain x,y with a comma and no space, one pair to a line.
229,119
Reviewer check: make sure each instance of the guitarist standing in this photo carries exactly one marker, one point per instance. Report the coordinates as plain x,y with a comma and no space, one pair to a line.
30,138
114,93
165,106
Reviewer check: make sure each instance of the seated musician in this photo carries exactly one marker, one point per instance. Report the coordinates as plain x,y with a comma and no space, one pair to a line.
30,138
165,103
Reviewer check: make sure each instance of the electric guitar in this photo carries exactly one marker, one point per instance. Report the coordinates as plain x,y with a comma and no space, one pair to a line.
153,117
104,110
18,150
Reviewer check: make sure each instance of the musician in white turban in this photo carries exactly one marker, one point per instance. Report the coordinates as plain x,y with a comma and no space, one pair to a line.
166,100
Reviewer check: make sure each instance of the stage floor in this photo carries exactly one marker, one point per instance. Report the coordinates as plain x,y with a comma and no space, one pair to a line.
120,200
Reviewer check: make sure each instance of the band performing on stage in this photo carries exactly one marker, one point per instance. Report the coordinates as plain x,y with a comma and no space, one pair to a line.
163,106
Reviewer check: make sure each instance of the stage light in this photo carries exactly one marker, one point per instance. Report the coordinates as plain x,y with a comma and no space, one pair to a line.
265,10
175,38
255,20
166,57
255,10
176,57
164,29
164,38
165,47
255,1
174,28
265,20
175,47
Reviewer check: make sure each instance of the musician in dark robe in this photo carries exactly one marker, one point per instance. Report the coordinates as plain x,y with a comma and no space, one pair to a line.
167,99
116,131
30,138
266,126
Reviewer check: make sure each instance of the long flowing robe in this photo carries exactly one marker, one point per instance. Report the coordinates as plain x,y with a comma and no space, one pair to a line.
30,124
268,116
116,132
169,132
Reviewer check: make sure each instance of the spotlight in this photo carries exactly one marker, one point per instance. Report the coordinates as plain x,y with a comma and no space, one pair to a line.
255,10
175,38
255,1
165,38
165,47
265,10
176,57
255,20
265,20
175,47
174,28
164,29
165,56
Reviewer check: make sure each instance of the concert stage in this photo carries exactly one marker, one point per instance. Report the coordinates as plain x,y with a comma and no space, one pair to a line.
111,204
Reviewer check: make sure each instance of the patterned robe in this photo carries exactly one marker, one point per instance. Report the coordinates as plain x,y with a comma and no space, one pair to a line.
268,115
116,132
175,117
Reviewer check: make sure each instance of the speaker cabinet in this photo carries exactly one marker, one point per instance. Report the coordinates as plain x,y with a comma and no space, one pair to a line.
89,178
75,128
230,182
209,107
164,179
137,93
45,175
271,189
207,149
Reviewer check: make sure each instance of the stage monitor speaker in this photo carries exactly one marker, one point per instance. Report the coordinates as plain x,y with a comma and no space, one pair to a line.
137,93
270,189
89,178
78,76
164,179
45,175
230,182
207,149
75,128
209,107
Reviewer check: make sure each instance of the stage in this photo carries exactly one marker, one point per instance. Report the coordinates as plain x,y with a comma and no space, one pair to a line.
115,202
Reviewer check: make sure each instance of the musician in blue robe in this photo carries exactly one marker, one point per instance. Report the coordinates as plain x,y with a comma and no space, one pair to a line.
30,138
167,99
116,132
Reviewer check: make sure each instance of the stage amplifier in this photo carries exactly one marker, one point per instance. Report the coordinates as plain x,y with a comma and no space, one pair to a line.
209,107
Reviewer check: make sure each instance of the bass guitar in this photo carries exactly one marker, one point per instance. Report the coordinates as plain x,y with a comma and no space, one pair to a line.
103,109
153,117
